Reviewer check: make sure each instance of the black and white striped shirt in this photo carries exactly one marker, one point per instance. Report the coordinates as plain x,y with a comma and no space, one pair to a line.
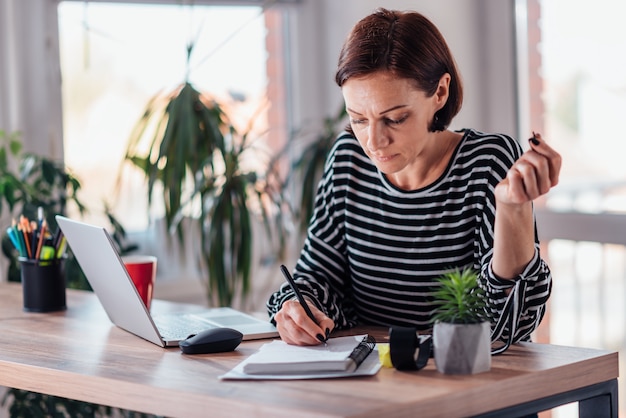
373,251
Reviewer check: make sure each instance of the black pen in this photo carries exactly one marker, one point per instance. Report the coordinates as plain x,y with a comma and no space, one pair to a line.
301,299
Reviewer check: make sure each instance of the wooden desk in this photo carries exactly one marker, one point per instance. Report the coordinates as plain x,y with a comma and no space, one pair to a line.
78,354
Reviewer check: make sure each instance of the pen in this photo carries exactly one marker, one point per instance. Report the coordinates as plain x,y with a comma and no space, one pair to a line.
39,217
305,305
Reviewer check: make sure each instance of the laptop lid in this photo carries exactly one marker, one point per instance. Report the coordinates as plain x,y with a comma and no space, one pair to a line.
97,256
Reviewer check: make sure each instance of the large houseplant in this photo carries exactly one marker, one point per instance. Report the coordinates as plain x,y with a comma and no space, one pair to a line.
461,332
197,164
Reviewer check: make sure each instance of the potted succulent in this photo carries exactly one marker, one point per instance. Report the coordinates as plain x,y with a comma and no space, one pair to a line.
461,332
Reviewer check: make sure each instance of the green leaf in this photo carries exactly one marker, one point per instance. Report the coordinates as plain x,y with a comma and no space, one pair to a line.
458,297
15,145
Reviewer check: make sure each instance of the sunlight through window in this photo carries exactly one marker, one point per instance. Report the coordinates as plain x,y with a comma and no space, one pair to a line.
115,57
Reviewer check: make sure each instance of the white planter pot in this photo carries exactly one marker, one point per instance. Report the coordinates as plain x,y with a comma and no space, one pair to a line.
462,348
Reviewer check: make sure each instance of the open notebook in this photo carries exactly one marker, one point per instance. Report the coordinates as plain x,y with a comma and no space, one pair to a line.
105,271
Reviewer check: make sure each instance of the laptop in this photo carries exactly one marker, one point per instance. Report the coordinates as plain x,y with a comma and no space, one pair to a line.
97,255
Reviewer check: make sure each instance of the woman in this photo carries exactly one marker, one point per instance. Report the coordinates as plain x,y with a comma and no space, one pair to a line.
403,199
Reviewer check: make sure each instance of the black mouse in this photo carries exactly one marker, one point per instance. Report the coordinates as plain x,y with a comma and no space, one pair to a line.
214,340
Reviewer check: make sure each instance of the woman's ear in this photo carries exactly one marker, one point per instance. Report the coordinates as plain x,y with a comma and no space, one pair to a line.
443,90
439,100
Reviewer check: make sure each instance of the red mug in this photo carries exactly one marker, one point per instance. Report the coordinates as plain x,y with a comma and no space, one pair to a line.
142,271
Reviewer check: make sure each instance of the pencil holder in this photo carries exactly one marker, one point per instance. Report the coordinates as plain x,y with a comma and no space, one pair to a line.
43,284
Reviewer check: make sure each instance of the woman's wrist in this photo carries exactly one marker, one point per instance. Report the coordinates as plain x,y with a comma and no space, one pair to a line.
514,239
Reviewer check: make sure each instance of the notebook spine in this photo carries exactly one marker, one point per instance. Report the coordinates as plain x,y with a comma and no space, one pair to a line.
362,350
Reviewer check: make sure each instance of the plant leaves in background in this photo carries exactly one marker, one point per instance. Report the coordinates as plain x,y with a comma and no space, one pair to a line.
196,144
310,165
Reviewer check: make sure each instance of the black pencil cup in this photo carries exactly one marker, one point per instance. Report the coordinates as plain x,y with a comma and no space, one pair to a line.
43,285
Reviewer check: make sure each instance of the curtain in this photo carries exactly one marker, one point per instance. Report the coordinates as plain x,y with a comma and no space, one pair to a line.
30,75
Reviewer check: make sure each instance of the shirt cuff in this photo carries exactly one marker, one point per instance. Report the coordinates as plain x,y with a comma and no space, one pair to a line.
530,273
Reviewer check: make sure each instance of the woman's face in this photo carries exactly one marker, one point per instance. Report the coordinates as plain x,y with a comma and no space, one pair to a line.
390,118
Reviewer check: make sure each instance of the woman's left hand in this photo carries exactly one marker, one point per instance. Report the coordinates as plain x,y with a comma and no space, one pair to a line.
532,175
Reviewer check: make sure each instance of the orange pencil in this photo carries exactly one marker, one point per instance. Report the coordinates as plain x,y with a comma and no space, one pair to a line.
42,233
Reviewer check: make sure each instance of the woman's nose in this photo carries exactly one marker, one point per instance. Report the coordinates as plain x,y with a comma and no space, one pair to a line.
376,138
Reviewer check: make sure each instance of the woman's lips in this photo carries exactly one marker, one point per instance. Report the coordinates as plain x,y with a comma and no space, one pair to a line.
383,158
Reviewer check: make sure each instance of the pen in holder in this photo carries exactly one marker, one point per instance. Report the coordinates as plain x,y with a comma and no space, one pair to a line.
43,284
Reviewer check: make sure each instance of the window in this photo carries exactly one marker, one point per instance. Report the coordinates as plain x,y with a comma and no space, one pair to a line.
585,96
115,56
584,80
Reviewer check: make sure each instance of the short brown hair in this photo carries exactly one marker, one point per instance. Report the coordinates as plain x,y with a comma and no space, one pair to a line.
408,45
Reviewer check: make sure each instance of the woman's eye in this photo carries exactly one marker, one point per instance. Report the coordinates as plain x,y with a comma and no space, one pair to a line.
357,121
396,121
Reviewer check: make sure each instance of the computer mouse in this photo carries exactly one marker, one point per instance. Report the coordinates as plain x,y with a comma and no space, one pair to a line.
213,340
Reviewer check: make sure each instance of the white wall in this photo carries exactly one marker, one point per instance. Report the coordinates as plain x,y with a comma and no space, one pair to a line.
480,34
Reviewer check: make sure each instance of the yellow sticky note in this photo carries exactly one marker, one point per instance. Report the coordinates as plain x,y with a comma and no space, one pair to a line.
384,356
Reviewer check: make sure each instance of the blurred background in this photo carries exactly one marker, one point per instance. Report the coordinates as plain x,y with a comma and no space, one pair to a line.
76,76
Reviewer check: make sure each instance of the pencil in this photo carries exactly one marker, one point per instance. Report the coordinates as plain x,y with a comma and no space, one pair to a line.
42,234
25,228
61,247
33,239
12,232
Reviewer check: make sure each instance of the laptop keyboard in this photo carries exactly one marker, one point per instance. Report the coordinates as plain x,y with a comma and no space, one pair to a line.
179,327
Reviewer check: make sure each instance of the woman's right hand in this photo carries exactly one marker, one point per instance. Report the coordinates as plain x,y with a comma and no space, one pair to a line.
295,327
